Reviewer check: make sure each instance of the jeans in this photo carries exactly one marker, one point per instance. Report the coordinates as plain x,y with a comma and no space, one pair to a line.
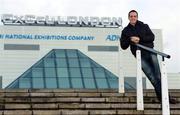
150,67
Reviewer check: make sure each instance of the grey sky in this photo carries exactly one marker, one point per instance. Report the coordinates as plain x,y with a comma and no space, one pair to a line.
159,14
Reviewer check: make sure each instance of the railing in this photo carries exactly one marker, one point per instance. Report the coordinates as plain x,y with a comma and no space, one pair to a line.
164,83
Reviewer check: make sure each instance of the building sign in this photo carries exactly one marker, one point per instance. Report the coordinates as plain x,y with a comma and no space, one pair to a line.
74,21
110,37
45,37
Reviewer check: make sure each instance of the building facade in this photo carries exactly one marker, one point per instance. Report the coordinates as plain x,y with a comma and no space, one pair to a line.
21,47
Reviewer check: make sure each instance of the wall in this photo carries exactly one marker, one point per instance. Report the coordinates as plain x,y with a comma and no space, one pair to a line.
14,62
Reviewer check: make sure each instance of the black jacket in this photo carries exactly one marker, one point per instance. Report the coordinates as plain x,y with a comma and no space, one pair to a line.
140,30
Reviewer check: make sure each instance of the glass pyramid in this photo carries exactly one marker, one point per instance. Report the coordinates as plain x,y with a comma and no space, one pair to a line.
66,68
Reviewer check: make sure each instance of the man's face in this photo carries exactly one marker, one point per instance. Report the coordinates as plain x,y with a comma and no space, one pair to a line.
133,18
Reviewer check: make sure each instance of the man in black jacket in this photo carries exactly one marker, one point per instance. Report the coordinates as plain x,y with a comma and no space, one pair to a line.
137,32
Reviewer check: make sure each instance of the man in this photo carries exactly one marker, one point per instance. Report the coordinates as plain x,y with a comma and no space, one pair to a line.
137,32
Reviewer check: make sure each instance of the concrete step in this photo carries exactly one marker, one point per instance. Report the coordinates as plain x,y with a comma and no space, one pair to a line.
79,94
80,102
83,106
85,112
76,90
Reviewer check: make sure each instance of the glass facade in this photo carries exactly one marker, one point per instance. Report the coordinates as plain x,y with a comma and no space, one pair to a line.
66,68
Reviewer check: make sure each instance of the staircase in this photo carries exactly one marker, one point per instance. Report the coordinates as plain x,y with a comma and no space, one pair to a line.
79,102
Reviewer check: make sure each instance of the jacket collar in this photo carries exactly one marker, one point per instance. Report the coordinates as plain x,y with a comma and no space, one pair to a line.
137,24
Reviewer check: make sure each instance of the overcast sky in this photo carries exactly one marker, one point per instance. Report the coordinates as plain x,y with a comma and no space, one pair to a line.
159,14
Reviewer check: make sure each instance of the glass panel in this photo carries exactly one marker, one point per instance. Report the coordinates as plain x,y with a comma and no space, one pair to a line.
51,82
49,62
99,72
62,72
50,55
87,72
94,64
63,82
71,53
25,83
89,83
77,83
61,62
37,72
27,74
45,70
110,75
38,82
60,53
39,64
73,63
113,82
102,83
75,72
50,72
81,55
85,62
14,85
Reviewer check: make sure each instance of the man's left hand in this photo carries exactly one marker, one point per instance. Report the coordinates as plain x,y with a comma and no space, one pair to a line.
135,39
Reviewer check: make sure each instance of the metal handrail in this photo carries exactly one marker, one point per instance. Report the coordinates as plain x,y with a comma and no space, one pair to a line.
153,51
164,82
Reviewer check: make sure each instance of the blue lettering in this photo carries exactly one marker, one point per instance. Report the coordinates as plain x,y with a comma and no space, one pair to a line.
113,37
1,36
45,37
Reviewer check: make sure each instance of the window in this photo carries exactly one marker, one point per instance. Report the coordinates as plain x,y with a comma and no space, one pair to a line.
49,62
66,68
89,83
101,83
37,72
113,82
64,82
71,53
62,72
25,82
99,72
75,72
50,72
60,53
85,62
87,72
61,62
77,83
51,82
38,82
73,62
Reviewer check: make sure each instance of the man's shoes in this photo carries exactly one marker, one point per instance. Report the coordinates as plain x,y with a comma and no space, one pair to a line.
173,101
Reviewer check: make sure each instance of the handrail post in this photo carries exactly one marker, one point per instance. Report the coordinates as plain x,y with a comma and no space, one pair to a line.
120,72
139,85
164,82
164,89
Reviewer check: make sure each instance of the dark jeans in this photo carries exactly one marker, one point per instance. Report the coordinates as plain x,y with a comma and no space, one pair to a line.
150,67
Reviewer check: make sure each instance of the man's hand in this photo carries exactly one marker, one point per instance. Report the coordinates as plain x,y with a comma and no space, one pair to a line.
135,39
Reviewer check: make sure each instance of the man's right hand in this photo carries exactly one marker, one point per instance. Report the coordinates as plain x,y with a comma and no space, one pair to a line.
135,39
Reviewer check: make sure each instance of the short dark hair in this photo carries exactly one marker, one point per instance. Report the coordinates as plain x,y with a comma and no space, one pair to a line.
132,11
